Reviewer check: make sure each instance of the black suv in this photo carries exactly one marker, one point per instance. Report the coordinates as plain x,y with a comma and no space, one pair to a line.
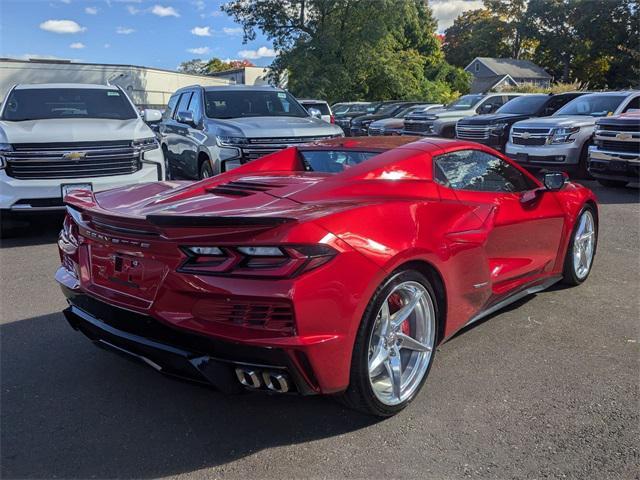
360,125
493,129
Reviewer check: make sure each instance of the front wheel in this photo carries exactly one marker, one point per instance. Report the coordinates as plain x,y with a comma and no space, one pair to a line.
395,346
205,169
582,248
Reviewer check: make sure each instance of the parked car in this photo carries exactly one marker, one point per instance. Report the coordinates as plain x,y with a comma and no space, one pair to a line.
442,123
493,129
395,124
614,159
208,130
561,141
56,138
344,112
323,108
360,125
370,108
330,268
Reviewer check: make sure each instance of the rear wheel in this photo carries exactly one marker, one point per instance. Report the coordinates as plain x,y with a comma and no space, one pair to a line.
612,183
395,346
582,248
205,169
583,170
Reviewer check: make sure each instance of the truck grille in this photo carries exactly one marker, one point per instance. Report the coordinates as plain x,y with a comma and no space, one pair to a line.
259,147
469,132
616,146
375,131
530,136
418,126
33,161
627,127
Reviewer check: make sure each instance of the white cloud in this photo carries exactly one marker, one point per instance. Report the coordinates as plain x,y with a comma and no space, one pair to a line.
446,11
199,50
61,26
107,45
132,10
200,5
232,31
261,52
77,45
201,31
66,1
91,10
161,11
124,30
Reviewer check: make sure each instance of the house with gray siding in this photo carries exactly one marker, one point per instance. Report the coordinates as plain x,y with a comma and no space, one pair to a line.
492,74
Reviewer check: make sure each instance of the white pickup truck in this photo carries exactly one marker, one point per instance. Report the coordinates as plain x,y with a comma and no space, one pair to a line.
55,138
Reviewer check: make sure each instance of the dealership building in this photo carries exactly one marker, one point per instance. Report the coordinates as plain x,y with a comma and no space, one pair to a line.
148,87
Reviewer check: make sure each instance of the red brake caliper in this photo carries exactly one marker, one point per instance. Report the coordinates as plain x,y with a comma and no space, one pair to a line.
395,304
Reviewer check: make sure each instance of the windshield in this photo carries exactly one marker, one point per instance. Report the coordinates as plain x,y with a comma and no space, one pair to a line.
406,111
388,109
465,102
333,161
594,105
251,103
342,109
526,105
48,103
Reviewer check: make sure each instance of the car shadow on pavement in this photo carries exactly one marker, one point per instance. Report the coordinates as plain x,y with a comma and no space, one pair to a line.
31,230
622,195
71,410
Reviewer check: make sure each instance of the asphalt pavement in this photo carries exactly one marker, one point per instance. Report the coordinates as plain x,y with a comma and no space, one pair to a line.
546,389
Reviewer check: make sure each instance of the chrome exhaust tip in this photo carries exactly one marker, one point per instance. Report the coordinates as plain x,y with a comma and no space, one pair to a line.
276,382
248,378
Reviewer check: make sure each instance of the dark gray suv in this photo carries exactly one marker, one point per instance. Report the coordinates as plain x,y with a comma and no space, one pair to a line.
208,130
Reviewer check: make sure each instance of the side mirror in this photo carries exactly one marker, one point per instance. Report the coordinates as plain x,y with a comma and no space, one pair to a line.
186,118
315,113
151,116
554,181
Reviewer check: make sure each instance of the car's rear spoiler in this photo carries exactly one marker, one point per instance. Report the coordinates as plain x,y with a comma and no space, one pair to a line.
211,221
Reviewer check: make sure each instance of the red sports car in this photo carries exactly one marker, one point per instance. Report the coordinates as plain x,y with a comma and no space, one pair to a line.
331,268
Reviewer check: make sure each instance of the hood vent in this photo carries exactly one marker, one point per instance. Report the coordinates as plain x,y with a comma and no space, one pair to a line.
241,189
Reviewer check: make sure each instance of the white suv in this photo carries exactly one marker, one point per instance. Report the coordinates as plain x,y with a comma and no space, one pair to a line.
55,138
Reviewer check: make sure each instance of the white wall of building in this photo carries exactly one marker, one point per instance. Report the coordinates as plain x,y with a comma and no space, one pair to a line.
147,87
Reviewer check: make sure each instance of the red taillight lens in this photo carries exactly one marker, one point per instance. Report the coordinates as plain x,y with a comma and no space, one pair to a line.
255,261
332,119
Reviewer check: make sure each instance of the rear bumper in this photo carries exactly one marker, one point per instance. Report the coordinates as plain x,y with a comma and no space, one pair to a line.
613,165
177,353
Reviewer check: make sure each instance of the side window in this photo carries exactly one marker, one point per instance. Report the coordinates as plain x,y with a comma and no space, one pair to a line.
555,103
479,171
195,107
183,104
490,105
168,112
634,104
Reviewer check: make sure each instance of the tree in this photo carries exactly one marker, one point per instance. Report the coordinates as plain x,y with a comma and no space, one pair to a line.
195,66
347,49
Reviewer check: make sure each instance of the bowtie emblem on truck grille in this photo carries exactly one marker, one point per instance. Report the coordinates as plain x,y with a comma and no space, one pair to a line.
525,135
75,155
623,136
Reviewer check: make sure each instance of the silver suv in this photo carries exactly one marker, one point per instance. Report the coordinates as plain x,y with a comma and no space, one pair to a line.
442,122
208,130
561,141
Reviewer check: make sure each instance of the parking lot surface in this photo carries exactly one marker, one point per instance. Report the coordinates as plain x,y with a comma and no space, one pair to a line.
547,389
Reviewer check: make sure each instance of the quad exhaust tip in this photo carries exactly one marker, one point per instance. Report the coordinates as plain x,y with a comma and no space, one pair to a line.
274,381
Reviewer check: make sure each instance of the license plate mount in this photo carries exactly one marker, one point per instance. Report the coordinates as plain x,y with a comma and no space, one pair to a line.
67,188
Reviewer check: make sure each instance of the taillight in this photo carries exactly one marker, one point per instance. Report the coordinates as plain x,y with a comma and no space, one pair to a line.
332,119
255,261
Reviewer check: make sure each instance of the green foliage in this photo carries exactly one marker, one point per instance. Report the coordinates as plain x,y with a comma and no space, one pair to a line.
195,66
559,87
353,49
591,41
201,67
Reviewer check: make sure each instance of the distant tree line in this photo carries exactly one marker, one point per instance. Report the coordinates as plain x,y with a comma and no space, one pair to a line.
204,67
593,42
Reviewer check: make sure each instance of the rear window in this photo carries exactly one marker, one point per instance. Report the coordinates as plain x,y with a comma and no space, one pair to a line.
322,106
247,103
333,161
48,103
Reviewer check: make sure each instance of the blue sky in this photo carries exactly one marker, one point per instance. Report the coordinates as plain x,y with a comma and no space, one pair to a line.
156,33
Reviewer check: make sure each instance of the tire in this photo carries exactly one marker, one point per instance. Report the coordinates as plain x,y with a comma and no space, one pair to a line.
361,394
612,183
167,167
449,132
582,171
572,274
205,169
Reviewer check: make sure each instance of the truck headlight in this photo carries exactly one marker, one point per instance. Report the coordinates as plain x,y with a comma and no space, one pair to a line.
498,128
4,147
145,144
231,141
564,135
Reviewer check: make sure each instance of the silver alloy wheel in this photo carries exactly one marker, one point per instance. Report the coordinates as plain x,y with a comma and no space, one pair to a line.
401,343
584,243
